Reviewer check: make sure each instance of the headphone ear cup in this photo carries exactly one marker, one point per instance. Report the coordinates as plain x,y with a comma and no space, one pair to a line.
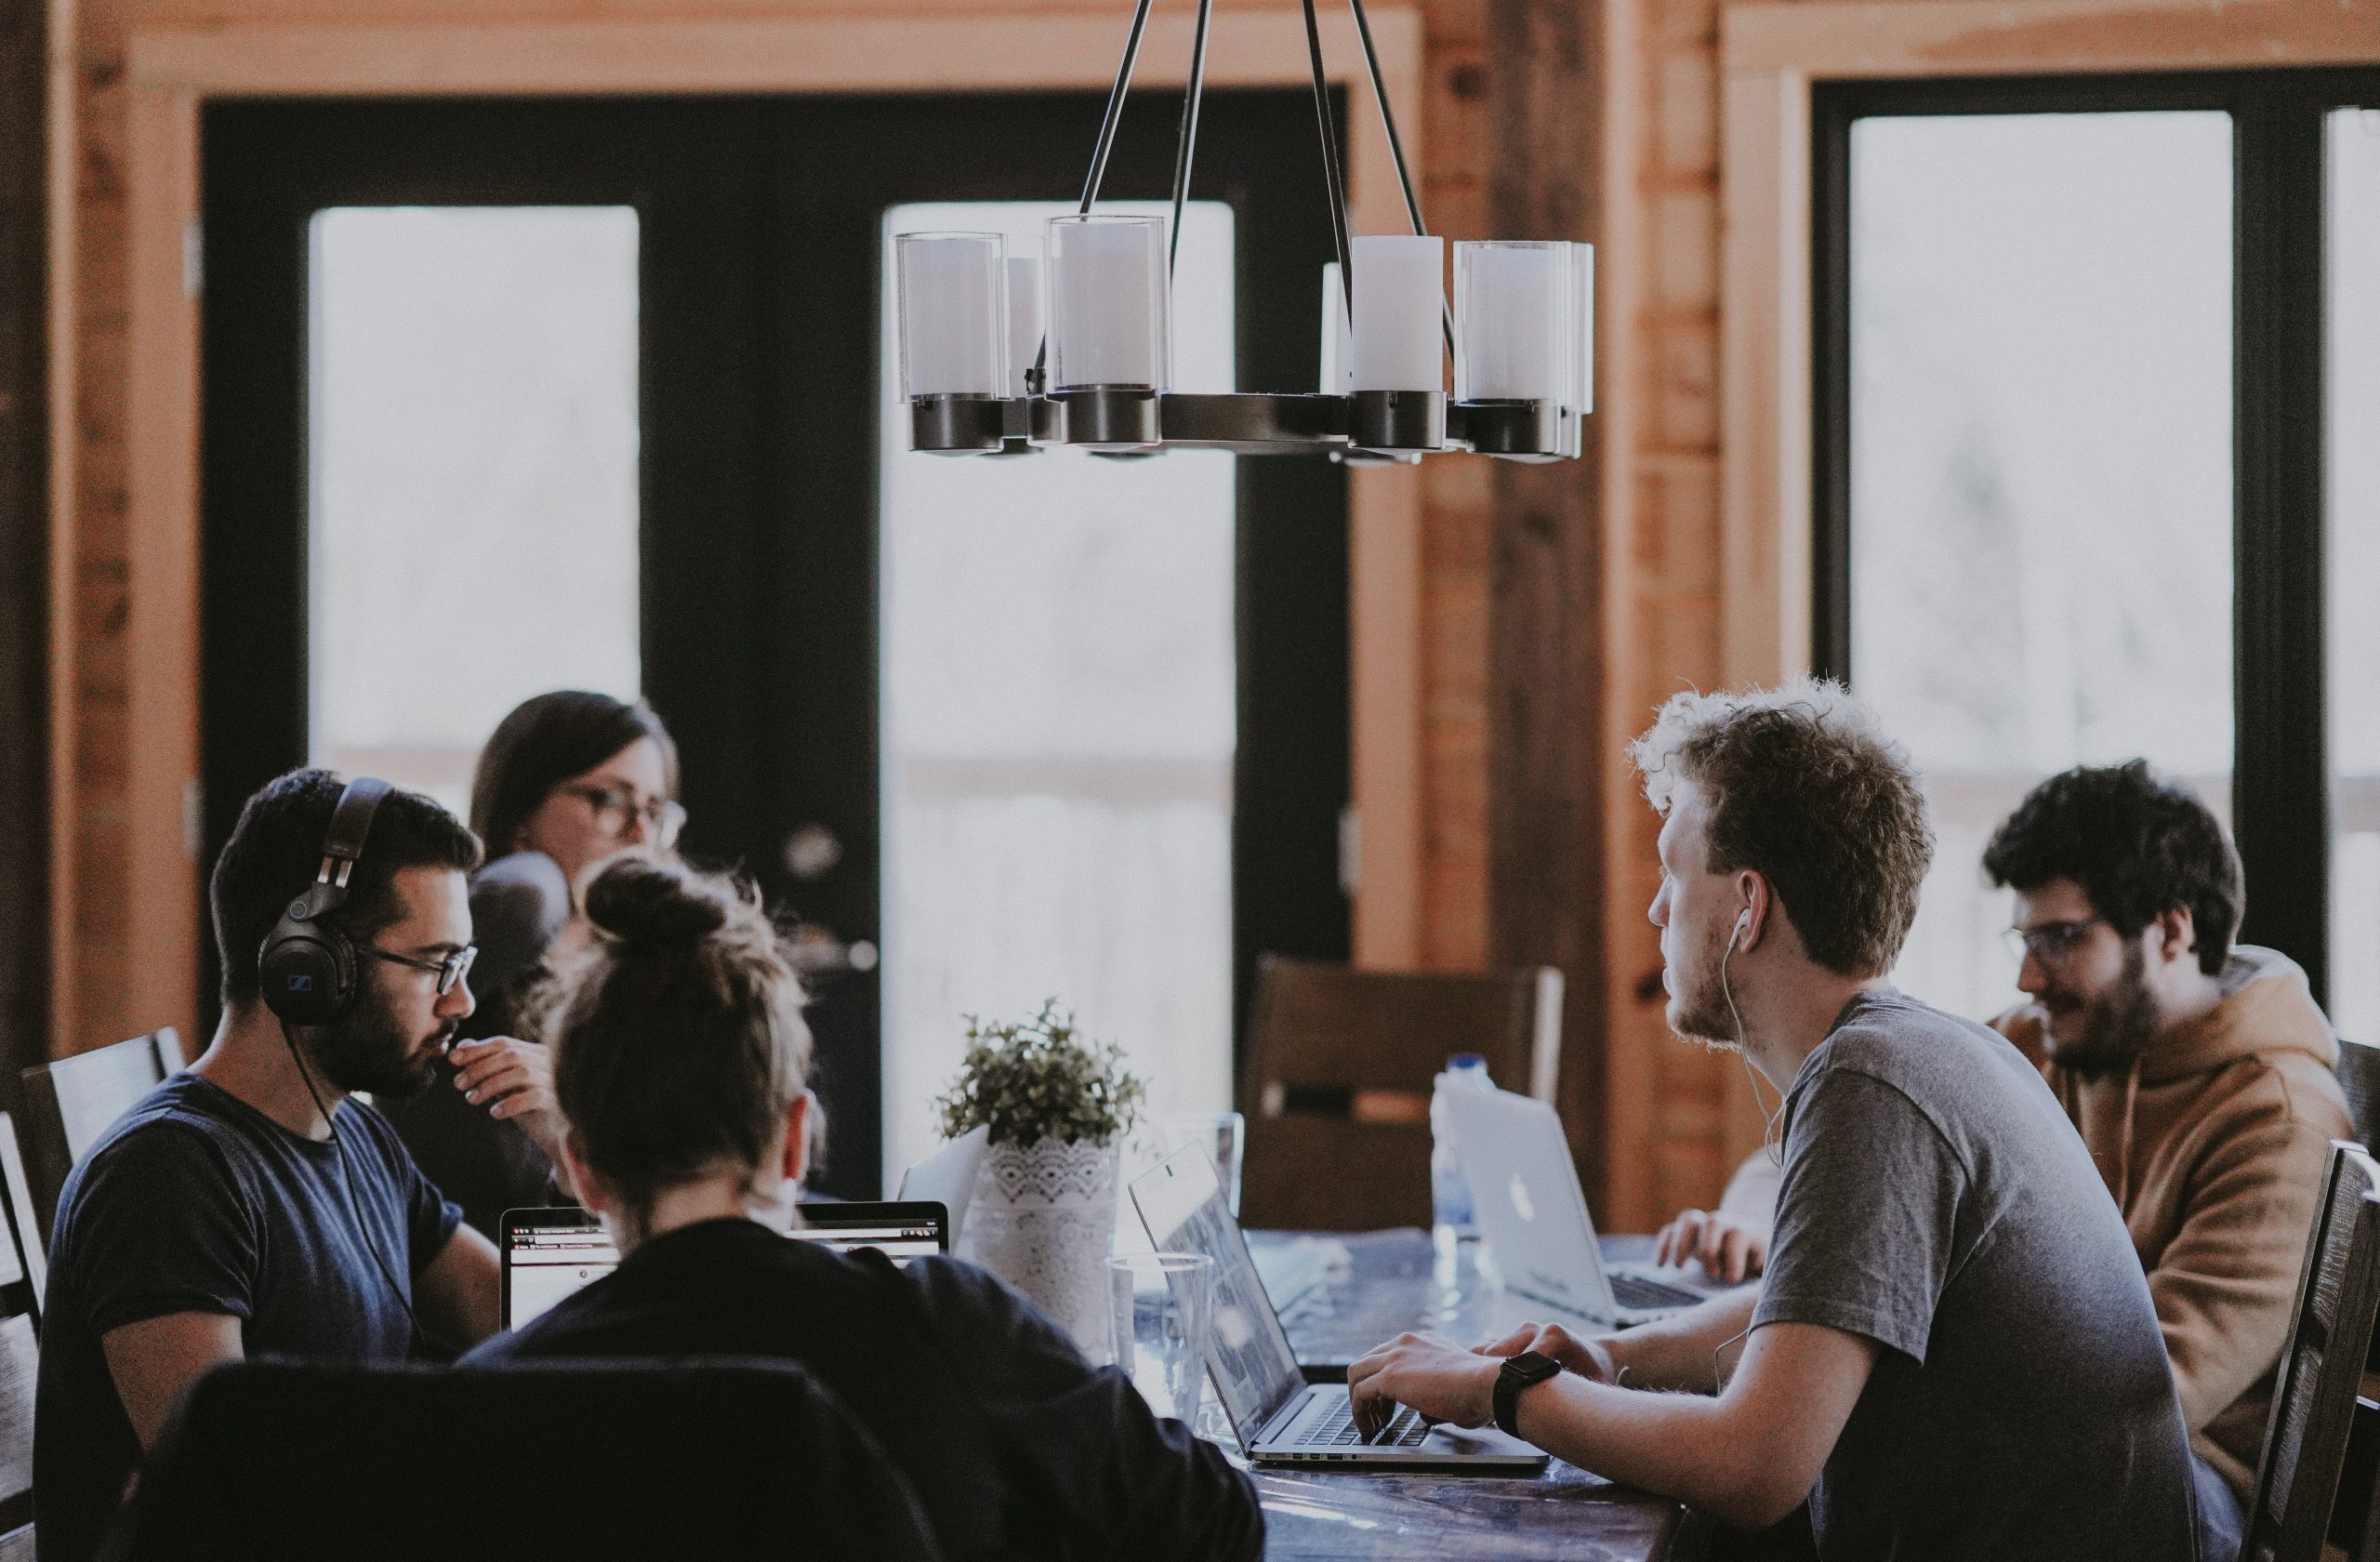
307,974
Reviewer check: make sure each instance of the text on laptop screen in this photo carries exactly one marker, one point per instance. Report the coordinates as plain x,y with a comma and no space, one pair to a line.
900,1242
549,1262
1254,1370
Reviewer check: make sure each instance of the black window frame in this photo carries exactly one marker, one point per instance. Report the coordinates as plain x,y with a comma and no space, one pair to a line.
2281,764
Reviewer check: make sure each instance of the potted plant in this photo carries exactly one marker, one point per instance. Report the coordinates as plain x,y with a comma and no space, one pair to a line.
1054,1108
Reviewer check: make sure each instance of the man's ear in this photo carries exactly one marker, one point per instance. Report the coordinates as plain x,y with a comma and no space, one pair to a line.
2177,934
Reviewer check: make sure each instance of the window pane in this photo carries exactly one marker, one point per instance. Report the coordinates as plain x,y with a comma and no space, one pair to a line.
2352,358
472,434
1059,724
2041,473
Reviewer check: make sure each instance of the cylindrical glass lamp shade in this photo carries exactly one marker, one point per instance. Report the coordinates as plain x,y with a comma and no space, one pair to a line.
1024,321
1513,300
1108,311
1399,310
1338,376
954,293
1582,315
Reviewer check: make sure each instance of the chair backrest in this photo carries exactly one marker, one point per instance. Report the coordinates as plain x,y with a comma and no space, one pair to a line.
72,1100
1337,1088
2360,1078
2314,1395
22,1275
742,1458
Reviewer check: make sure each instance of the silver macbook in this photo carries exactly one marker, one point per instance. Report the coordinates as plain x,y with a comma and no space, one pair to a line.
1278,1417
948,1177
1525,1192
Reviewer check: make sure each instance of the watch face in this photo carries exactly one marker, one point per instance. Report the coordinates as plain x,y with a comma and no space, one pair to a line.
1535,1365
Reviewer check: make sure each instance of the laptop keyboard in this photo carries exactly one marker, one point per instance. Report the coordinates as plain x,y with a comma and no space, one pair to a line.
1338,1429
1636,1293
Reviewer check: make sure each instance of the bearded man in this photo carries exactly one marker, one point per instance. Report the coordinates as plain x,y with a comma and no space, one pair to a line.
2200,1074
248,1205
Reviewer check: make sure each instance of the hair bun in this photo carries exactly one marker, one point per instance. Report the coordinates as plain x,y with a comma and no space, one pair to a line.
639,900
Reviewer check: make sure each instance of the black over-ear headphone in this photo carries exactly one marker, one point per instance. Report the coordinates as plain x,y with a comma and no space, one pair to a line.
306,967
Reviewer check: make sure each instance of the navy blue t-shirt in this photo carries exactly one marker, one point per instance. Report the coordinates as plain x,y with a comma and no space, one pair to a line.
196,1202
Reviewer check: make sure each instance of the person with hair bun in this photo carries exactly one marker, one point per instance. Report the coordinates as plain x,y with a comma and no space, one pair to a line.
566,780
680,1065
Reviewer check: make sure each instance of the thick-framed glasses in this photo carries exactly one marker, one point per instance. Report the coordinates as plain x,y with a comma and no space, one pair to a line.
615,806
450,971
2053,943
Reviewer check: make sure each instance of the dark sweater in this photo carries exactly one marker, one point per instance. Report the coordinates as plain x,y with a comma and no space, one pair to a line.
1017,1446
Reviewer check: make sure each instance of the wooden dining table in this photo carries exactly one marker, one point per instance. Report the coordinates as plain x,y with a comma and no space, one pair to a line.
1340,1295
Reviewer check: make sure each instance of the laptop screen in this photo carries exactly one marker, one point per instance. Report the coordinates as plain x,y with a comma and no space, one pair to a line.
1255,1371
903,1231
548,1253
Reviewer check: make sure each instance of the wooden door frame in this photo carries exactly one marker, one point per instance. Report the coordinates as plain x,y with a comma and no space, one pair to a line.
1770,56
173,71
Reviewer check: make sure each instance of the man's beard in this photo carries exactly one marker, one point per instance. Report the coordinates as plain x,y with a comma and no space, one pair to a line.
367,1050
2117,1026
1699,1011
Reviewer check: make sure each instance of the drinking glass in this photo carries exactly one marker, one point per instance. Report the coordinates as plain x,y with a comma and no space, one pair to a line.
1160,1310
1222,1135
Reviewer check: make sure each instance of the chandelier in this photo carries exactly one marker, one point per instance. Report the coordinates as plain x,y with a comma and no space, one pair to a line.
1004,354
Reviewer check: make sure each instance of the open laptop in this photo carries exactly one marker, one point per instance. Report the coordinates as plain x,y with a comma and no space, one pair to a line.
546,1254
1280,1418
948,1177
1526,1196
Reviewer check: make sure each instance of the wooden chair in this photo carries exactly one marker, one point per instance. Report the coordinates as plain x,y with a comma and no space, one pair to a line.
71,1102
1337,1089
23,1277
2360,1078
2323,1369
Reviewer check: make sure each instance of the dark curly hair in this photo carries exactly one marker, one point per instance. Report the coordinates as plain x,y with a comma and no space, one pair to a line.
277,847
1805,789
2139,845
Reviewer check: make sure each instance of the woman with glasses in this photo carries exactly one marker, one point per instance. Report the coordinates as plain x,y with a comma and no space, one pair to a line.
568,780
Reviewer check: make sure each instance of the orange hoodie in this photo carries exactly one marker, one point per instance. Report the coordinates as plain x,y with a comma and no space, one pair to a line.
2213,1146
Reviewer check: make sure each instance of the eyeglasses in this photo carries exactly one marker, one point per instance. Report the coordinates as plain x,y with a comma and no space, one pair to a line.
2053,943
615,806
451,970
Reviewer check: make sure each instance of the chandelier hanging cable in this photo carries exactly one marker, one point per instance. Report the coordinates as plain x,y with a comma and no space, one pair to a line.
1002,354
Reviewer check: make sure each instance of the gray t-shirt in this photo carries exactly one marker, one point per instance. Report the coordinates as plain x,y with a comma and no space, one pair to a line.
1936,1200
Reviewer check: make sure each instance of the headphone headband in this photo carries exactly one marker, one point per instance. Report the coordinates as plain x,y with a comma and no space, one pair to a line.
343,842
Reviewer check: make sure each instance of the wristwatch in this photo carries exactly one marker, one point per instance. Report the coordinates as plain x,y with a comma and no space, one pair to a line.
1525,1370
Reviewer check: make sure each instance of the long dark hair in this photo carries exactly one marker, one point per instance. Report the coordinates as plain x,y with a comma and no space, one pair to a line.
678,1041
545,742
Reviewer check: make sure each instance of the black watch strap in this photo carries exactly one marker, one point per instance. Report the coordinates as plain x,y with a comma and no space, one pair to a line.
1525,1370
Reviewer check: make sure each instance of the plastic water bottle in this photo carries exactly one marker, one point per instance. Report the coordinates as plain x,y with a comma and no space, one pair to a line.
1452,1214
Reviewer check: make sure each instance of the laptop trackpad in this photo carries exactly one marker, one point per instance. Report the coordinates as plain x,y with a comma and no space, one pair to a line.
1476,1440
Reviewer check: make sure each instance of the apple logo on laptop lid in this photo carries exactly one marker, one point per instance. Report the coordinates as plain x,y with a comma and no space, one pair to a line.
1520,1199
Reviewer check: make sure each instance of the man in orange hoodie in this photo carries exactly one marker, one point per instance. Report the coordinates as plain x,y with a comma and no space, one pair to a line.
2199,1075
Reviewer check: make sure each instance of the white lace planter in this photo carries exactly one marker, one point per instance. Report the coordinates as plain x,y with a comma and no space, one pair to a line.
1041,1219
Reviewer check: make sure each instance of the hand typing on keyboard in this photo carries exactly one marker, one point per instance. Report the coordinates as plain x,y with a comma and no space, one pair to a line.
1441,1381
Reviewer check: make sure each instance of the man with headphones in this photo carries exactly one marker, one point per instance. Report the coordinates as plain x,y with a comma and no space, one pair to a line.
249,1206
